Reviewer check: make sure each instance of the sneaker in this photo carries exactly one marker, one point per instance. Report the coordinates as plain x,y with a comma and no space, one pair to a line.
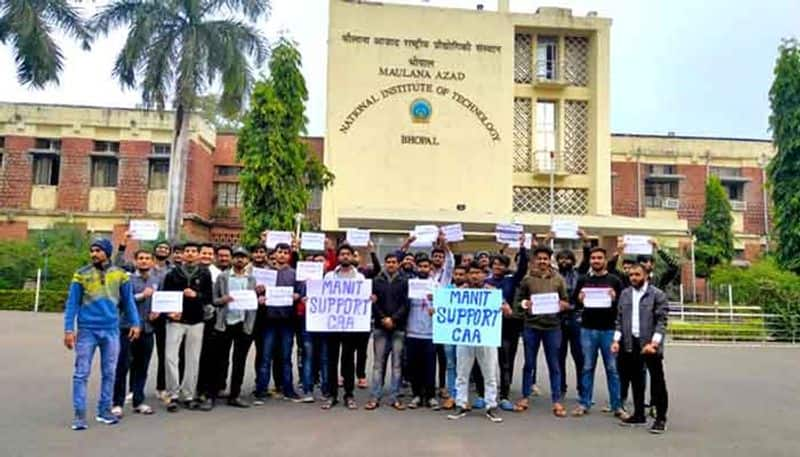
206,405
237,402
457,414
194,405
304,399
117,412
659,427
414,403
172,406
506,405
292,397
143,409
491,414
621,414
448,404
259,400
633,421
433,404
536,391
479,403
106,418
79,423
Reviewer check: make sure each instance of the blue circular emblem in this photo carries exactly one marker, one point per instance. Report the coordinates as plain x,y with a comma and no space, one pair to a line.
421,110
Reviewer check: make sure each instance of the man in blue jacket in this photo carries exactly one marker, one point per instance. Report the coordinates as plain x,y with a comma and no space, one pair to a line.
96,292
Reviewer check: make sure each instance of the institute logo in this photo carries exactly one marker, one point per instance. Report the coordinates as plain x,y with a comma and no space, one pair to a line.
421,111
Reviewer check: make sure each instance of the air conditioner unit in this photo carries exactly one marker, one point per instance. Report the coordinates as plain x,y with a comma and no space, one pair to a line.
670,203
738,205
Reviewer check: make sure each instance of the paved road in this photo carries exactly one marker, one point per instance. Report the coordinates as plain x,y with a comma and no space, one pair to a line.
725,401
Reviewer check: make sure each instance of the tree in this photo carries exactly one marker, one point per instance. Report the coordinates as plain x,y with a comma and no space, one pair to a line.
714,234
28,26
784,169
208,106
178,50
279,171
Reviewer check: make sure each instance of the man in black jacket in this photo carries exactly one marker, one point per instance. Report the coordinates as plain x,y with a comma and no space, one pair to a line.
195,283
389,313
639,342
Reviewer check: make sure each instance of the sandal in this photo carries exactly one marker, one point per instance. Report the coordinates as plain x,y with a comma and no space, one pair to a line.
143,409
399,406
329,404
559,411
579,411
351,404
521,405
371,405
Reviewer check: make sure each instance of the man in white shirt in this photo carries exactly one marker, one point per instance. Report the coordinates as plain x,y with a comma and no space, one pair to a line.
639,342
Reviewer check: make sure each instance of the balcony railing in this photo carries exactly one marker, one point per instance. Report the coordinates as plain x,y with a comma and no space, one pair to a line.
550,75
661,202
738,205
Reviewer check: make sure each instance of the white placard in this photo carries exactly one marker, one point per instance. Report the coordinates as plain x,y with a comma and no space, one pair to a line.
243,300
143,230
453,233
545,303
280,297
420,288
428,233
637,244
508,233
358,238
265,277
309,270
565,230
339,305
312,241
528,241
596,297
276,238
167,302
419,243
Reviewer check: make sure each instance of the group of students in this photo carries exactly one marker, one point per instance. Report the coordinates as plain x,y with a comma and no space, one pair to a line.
196,349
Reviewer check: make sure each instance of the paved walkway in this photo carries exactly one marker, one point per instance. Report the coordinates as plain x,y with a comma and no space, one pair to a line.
724,401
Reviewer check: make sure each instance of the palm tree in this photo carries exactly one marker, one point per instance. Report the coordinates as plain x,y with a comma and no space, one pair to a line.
28,25
177,49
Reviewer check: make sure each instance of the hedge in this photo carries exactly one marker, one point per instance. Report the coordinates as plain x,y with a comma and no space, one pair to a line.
749,330
23,300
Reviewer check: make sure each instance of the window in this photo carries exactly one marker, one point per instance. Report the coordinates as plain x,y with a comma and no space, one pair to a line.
228,171
662,170
47,144
161,149
227,195
2,142
656,192
545,134
735,190
158,174
110,147
104,172
45,169
546,57
726,172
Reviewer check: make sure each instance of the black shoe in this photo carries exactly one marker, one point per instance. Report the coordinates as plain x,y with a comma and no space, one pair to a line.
172,406
659,427
633,421
458,413
491,414
193,405
206,405
237,402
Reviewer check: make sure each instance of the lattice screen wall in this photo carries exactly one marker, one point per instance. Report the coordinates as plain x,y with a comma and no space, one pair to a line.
523,113
576,137
523,58
537,200
576,53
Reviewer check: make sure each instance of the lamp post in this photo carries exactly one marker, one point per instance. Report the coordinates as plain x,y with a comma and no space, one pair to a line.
552,194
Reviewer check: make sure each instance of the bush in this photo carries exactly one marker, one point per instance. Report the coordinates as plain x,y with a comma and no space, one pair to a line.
23,300
749,330
765,285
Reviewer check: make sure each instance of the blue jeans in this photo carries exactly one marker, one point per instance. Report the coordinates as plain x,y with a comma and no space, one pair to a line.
551,340
383,343
280,333
591,341
309,349
450,352
87,341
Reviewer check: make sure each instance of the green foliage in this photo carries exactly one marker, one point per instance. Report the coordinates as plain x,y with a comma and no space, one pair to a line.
23,300
279,171
765,285
208,106
28,25
784,169
748,330
714,234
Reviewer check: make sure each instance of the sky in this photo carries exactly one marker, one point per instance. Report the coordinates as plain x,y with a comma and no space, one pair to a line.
684,66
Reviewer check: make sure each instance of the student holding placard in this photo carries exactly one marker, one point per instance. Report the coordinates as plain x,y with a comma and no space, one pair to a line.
542,295
187,326
390,314
279,330
596,295
233,326
96,294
